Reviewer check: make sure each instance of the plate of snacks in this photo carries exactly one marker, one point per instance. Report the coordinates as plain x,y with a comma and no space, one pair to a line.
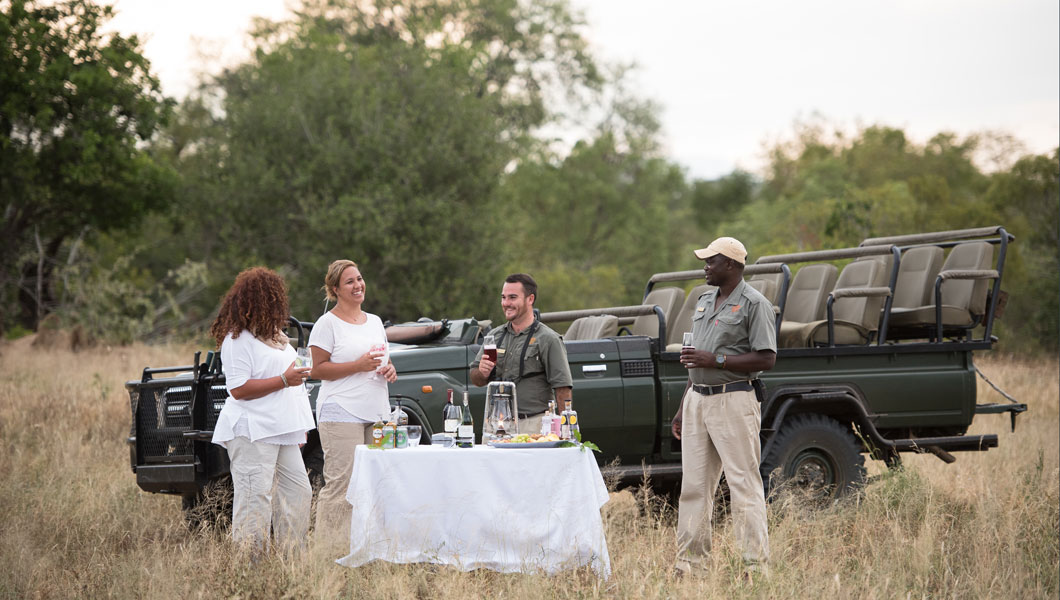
529,440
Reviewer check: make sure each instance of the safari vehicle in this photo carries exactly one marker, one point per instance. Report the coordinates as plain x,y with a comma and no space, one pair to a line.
875,359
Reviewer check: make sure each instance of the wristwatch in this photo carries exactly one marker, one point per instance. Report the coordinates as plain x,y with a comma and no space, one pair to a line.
719,360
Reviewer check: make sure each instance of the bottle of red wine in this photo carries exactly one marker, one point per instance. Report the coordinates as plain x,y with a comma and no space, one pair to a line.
465,433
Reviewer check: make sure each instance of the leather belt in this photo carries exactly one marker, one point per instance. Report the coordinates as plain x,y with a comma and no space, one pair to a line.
525,415
736,386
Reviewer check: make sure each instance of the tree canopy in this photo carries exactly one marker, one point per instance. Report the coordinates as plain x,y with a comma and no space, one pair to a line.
75,108
409,136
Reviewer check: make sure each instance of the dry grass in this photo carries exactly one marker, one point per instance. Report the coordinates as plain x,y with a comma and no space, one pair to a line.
75,525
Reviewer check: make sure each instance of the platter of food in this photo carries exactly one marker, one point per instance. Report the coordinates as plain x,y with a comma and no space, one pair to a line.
529,441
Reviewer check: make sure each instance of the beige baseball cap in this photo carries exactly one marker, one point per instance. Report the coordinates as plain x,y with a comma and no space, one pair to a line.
726,246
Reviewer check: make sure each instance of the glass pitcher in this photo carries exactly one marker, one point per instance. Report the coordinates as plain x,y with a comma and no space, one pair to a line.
501,415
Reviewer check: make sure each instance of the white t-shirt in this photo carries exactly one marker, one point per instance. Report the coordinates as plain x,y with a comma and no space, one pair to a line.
360,394
282,412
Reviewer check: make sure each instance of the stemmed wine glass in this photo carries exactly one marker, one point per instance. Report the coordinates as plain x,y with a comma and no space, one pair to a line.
376,349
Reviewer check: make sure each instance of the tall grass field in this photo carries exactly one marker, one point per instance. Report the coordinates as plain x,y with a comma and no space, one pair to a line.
73,524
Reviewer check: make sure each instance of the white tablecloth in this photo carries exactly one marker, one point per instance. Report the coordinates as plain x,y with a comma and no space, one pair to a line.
506,509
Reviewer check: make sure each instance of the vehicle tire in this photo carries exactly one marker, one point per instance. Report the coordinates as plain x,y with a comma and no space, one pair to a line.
816,455
209,507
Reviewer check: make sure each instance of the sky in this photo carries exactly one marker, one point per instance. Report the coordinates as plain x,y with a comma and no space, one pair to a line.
733,77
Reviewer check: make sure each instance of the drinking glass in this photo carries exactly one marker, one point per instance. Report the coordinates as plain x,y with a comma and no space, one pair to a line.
489,348
686,340
304,358
377,348
414,435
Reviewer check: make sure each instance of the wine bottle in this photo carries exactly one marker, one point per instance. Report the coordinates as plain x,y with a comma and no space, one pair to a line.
450,415
465,433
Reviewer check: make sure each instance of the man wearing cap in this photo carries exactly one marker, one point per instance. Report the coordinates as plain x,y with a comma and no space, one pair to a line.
718,423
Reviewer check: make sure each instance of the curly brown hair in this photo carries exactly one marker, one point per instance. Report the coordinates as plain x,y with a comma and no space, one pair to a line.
256,302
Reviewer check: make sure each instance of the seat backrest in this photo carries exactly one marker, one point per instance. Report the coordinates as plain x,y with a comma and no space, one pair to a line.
768,284
682,322
969,294
808,293
864,311
668,299
916,277
592,328
765,287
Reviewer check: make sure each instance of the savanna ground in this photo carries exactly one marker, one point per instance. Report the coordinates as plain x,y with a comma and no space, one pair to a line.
74,524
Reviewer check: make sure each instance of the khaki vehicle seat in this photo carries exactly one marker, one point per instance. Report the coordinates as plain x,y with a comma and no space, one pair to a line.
859,295
768,284
965,278
666,298
592,328
682,322
916,277
806,302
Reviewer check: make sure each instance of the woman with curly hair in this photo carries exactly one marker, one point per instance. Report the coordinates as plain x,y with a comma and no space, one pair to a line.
266,415
349,357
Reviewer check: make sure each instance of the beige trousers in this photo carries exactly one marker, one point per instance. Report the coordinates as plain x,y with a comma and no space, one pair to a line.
720,432
531,424
339,441
271,488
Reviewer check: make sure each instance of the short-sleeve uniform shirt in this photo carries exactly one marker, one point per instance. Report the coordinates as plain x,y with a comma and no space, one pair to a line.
744,323
544,369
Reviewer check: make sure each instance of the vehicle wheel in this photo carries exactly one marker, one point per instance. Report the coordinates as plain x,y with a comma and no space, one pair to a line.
210,506
814,454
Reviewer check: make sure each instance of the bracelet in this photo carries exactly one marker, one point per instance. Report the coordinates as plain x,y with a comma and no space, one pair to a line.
284,379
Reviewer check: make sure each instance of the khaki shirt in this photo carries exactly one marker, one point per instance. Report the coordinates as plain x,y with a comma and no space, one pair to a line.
545,367
744,323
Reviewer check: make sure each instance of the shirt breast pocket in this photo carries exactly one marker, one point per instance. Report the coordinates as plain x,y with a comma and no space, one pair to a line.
731,329
533,364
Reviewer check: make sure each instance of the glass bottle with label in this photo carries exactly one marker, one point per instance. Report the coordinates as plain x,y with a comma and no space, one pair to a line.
564,425
572,420
546,419
555,418
377,433
465,433
450,415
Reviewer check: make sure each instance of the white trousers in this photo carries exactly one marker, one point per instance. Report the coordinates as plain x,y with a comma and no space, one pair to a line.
271,489
720,432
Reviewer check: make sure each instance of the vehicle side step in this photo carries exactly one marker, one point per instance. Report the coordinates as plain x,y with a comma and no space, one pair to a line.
954,443
631,473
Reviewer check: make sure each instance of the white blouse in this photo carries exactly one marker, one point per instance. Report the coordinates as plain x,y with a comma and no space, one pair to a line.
281,413
365,395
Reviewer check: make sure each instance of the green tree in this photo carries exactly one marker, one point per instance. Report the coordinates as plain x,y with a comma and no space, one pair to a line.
378,132
75,106
595,225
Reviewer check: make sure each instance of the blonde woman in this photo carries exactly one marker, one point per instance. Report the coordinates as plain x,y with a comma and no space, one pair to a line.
350,359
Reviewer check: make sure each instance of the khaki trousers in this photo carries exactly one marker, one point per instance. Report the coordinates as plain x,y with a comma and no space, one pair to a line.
532,423
271,487
720,432
339,441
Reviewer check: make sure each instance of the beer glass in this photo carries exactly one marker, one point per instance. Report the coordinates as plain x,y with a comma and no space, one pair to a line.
489,348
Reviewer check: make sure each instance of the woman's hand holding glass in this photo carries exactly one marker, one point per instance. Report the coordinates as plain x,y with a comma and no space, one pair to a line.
296,375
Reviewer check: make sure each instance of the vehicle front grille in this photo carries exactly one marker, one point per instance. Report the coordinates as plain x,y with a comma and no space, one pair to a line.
164,414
